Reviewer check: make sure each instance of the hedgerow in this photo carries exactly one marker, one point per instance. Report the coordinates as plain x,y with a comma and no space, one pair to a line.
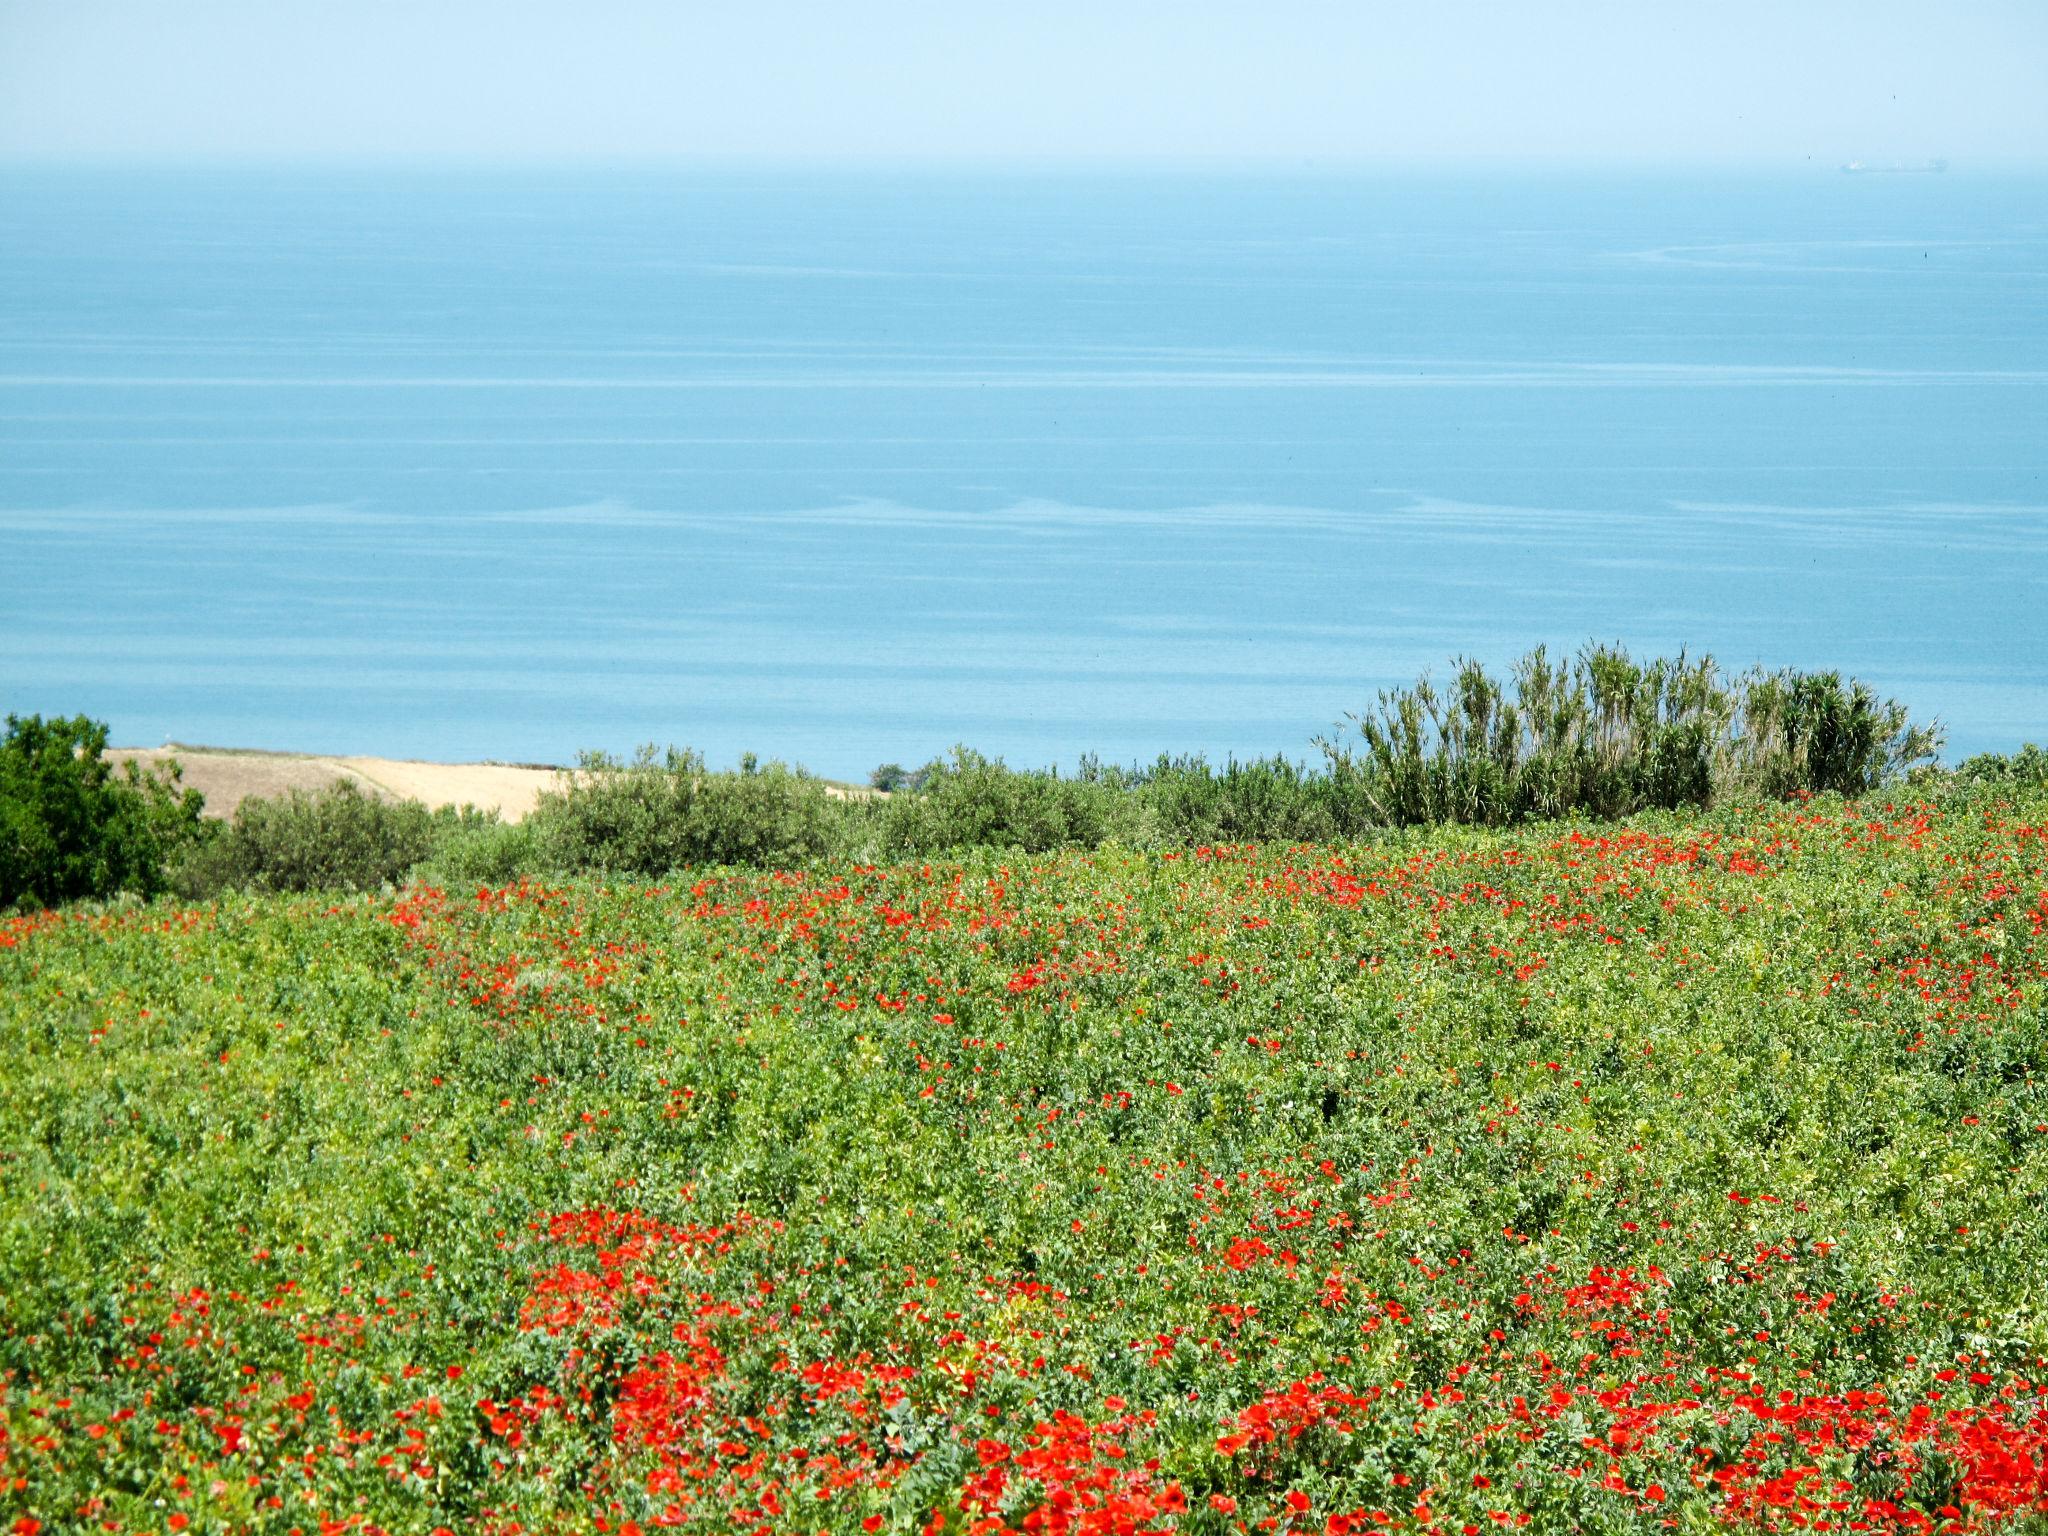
1597,735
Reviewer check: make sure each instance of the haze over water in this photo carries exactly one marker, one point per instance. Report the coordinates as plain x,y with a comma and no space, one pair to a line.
848,467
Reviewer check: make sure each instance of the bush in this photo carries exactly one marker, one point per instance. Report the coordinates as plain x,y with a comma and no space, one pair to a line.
483,852
2024,769
336,839
658,813
70,827
1270,800
1811,731
892,778
1604,735
971,801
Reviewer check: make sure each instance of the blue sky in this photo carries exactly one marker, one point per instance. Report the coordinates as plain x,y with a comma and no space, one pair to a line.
1058,80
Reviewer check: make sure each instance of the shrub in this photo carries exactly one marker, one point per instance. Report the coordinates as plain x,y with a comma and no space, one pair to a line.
335,839
890,778
1270,800
482,851
1604,735
1812,731
970,801
2024,769
70,827
658,813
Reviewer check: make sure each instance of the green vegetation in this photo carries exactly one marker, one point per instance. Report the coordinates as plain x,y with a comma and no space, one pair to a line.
1687,1171
70,827
2024,769
1600,735
338,839
657,814
1604,735
889,778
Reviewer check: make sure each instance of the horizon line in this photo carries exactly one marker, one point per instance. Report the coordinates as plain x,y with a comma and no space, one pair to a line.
1266,163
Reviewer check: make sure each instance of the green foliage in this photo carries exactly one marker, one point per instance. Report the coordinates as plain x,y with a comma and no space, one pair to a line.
891,778
971,801
2024,769
1268,800
333,839
70,827
480,850
1812,732
656,813
1600,735
1604,735
1611,1174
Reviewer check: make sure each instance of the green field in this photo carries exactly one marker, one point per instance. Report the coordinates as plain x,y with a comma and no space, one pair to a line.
1685,1172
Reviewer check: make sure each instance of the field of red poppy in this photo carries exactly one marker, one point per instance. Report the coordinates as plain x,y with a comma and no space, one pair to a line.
1691,1173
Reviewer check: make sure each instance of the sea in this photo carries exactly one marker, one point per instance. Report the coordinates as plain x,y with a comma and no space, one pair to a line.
849,467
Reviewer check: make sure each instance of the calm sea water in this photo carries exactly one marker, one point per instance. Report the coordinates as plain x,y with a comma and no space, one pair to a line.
849,468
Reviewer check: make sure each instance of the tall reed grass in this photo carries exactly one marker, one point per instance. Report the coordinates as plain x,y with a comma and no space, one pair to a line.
1602,734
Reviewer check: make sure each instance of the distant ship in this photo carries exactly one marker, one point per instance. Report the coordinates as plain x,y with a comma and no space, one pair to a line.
1895,168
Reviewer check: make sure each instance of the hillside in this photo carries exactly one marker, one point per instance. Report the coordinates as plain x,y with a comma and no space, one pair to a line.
228,776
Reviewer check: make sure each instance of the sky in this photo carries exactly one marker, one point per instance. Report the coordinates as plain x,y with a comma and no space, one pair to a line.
1025,80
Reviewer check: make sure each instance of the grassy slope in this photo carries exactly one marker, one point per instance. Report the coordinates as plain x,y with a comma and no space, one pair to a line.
1437,1182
